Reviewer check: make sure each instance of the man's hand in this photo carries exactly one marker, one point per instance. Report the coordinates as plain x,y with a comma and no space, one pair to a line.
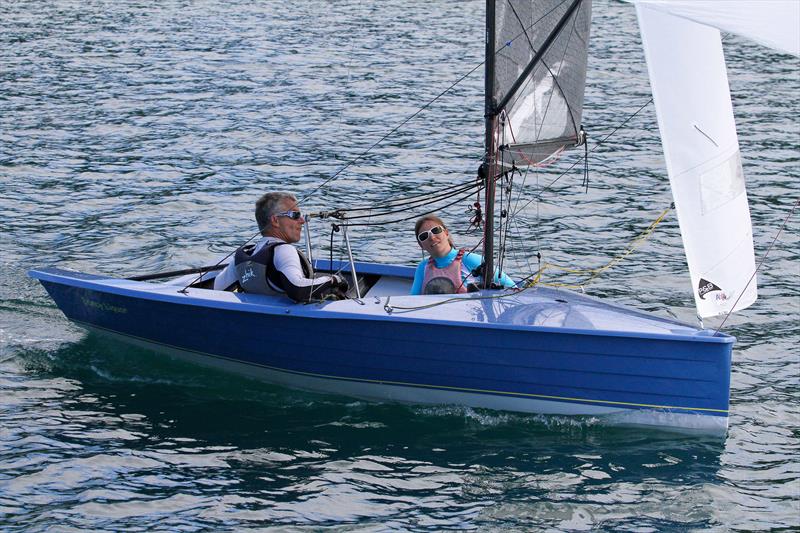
340,283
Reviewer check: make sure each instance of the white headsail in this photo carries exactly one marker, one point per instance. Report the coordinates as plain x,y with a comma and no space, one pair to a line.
772,23
690,88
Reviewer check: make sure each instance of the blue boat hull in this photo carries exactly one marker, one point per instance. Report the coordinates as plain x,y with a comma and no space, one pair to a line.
674,380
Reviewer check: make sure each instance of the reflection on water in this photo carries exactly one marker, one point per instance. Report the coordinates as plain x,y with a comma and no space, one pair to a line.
134,137
124,434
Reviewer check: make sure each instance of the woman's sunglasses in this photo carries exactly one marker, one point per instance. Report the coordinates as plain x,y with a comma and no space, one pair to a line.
294,215
436,230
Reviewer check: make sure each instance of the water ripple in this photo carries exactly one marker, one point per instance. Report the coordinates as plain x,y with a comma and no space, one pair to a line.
134,138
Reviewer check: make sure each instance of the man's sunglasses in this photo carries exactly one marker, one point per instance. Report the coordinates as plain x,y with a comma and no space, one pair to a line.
436,230
294,215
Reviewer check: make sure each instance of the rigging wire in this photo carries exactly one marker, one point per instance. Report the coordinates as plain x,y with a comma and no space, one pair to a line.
399,201
596,146
527,285
349,63
501,177
390,133
439,196
518,232
760,264
384,223
426,106
504,234
511,215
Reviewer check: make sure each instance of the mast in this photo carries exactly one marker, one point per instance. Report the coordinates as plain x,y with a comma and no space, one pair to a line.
489,163
520,75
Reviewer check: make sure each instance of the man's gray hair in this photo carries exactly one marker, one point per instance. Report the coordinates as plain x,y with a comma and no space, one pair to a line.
270,204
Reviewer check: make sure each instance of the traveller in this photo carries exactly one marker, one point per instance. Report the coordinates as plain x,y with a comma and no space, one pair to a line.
273,265
448,270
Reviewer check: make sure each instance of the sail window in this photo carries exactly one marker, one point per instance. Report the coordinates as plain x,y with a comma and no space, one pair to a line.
721,184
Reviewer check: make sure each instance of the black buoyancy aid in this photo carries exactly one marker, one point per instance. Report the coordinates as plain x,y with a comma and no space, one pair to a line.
256,272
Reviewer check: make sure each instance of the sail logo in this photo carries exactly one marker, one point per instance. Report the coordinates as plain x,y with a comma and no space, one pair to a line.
704,287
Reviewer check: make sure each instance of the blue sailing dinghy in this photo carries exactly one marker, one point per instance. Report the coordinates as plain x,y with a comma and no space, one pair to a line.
534,350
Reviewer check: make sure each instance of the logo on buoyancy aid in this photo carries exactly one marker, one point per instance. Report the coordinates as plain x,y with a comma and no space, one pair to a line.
251,269
704,287
247,275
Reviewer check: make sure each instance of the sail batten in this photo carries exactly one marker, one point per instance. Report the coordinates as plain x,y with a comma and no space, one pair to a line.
538,54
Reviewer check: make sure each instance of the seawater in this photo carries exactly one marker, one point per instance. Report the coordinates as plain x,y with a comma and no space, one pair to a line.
134,138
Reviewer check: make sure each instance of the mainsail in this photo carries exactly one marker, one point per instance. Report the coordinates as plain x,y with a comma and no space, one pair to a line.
690,88
540,50
535,75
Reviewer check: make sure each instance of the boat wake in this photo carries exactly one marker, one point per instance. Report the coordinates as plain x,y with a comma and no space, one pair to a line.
491,418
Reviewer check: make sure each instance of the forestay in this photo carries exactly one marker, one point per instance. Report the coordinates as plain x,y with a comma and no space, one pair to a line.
698,132
539,76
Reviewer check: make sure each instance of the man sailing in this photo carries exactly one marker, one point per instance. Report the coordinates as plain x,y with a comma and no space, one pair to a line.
273,266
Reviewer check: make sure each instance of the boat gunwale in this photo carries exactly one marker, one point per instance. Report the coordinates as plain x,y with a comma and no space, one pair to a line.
157,292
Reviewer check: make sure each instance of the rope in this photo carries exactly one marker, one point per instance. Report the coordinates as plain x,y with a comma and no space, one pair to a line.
585,161
403,200
384,223
195,280
535,279
432,198
510,292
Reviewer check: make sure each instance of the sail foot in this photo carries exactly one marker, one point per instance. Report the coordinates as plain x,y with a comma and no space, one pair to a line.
531,154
